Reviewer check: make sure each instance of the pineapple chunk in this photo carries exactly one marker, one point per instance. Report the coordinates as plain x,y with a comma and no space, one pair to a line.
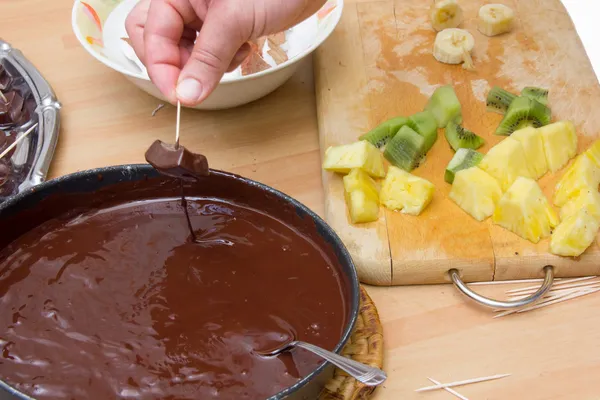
476,192
525,211
560,143
506,162
405,192
594,152
532,143
358,179
587,198
361,154
582,175
575,234
362,197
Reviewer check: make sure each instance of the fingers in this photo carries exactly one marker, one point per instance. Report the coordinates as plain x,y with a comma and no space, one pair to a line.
162,35
134,25
218,42
239,57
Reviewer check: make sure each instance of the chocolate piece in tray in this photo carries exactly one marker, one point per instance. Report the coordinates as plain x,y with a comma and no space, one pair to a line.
5,78
5,171
176,161
11,108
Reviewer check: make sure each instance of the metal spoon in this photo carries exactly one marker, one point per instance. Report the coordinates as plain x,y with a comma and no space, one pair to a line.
368,375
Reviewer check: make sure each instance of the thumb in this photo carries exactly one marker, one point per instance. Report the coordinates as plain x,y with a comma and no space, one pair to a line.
217,44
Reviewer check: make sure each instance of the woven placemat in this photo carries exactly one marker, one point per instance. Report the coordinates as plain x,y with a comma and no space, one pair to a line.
366,346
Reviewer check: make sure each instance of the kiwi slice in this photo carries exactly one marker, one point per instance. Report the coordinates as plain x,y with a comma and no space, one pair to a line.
535,93
445,106
461,138
406,149
524,112
424,124
498,100
381,134
463,159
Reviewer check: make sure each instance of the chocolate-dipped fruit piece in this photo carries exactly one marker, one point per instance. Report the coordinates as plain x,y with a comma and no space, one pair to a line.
177,161
11,108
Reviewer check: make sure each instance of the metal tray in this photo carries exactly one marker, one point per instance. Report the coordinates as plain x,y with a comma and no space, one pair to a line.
33,155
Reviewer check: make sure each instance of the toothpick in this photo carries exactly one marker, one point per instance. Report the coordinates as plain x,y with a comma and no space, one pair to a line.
461,383
452,391
16,142
3,97
553,294
565,282
553,290
177,124
557,299
508,282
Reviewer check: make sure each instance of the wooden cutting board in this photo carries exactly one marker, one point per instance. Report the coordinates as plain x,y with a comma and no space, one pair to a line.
378,64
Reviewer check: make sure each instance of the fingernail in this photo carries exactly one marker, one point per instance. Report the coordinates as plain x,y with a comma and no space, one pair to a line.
189,90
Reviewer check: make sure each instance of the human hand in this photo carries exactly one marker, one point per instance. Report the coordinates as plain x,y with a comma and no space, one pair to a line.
187,45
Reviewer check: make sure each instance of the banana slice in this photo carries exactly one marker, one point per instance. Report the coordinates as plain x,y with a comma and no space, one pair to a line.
446,14
454,46
495,19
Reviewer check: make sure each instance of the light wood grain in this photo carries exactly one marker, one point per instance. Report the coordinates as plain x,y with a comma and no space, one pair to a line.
428,330
395,44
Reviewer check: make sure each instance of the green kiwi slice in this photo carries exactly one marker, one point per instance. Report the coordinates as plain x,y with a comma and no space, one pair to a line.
463,159
424,123
524,112
406,149
461,138
498,100
535,93
381,134
445,106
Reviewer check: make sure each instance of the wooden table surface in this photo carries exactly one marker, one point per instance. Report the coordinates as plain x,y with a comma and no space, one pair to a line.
430,331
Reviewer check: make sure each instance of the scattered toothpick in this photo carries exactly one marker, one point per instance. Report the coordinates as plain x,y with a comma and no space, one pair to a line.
157,109
564,290
16,142
461,383
534,280
447,389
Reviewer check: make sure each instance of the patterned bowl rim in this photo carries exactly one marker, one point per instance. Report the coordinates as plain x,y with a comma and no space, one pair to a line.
336,15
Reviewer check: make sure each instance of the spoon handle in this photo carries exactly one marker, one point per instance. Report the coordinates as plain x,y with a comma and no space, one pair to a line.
370,376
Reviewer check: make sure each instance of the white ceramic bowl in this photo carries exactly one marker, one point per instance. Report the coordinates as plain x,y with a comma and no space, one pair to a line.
100,24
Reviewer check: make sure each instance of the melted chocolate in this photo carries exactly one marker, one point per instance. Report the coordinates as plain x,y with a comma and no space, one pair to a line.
11,110
176,161
118,302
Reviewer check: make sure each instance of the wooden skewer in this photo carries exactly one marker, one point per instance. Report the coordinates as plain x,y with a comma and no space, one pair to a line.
461,383
568,296
565,282
16,142
452,391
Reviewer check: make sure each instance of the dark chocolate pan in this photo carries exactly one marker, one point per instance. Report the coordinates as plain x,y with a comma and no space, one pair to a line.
99,187
33,155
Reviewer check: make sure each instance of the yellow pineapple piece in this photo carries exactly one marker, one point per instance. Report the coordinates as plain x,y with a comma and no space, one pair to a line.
361,154
402,191
532,143
362,196
560,143
582,175
476,192
594,152
506,162
588,198
575,234
525,211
